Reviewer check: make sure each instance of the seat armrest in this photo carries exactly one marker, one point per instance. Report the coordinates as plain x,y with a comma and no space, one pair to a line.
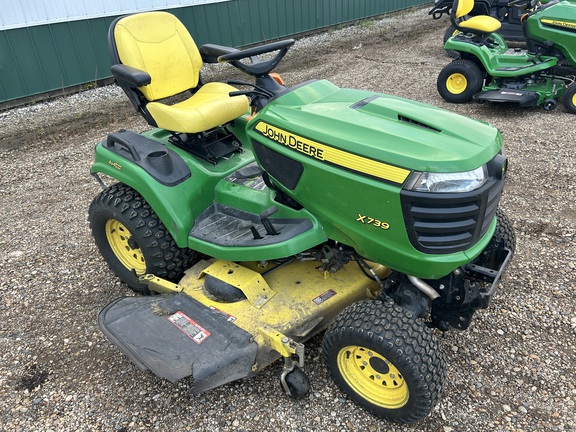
131,76
211,52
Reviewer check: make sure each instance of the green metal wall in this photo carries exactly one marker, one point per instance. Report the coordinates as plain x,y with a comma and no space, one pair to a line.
53,57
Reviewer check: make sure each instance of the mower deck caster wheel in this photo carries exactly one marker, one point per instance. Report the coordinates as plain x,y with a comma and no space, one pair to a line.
295,383
549,104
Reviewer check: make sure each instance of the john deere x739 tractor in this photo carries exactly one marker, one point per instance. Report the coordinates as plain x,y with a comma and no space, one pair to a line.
262,214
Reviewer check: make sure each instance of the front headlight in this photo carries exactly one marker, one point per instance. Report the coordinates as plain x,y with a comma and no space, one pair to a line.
447,182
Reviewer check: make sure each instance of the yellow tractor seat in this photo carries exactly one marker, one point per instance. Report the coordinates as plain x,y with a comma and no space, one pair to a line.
208,108
154,58
479,24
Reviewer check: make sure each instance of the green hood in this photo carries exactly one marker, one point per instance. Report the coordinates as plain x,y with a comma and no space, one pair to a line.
397,131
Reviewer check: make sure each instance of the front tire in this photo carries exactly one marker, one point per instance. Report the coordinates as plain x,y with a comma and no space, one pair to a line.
459,81
132,239
385,360
504,238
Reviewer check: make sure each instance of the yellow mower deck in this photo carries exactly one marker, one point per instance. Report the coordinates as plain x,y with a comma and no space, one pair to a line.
187,331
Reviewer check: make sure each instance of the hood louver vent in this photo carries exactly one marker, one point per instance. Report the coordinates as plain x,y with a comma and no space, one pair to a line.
417,123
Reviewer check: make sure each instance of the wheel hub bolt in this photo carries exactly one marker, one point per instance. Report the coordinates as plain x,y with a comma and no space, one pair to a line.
132,243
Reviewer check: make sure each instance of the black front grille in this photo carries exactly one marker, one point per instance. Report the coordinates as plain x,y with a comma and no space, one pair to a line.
440,223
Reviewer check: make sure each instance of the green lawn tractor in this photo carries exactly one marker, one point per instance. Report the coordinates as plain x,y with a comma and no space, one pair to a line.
488,70
509,13
261,215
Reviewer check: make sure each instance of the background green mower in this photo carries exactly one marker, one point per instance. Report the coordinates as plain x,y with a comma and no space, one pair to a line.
488,70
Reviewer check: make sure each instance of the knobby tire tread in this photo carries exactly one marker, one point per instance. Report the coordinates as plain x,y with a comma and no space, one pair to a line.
162,255
395,334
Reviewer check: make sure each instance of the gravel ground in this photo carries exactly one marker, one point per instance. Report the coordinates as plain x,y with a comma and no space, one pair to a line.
513,370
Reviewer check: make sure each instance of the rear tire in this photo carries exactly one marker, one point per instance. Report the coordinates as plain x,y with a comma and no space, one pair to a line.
459,81
385,360
570,99
451,31
132,239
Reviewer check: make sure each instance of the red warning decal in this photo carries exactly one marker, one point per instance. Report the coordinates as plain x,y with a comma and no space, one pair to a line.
189,327
324,296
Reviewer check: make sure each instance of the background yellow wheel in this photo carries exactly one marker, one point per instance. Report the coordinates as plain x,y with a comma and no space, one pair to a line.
569,99
385,360
459,81
132,239
456,83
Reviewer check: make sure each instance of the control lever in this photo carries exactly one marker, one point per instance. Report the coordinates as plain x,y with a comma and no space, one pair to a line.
259,90
270,230
249,224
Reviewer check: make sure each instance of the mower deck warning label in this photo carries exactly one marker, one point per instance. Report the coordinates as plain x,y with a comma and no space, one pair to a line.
324,296
189,327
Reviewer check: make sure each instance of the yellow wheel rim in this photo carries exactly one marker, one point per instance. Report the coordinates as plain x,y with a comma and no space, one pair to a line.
574,99
456,83
125,249
373,377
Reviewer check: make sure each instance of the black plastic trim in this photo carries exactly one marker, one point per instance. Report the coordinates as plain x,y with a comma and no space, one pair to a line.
202,343
285,170
163,164
522,97
211,52
131,76
364,102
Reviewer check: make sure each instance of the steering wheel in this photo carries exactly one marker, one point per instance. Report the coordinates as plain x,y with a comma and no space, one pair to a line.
520,4
258,67
524,4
